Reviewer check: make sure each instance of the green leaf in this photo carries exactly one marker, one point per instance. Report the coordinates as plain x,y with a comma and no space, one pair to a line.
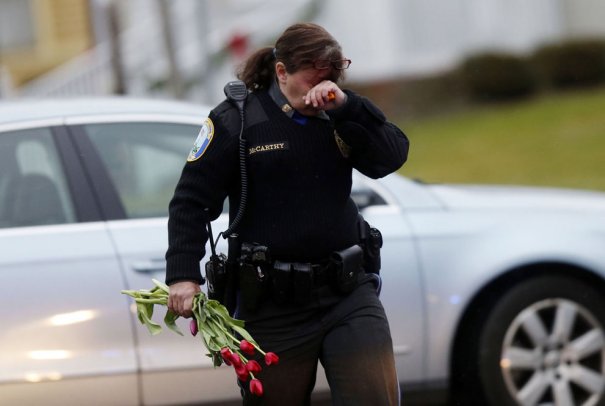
201,314
144,312
216,308
213,345
207,329
161,285
242,331
170,322
217,360
220,335
206,338
198,310
131,293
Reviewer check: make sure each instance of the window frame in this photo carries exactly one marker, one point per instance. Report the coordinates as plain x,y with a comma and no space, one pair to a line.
99,178
85,204
80,195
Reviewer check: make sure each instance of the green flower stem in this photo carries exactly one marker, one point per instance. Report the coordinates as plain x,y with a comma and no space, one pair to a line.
153,301
229,334
258,349
235,340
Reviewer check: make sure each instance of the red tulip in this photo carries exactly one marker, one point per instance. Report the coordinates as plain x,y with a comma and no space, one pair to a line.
242,373
256,387
253,367
226,354
271,358
235,359
246,347
193,327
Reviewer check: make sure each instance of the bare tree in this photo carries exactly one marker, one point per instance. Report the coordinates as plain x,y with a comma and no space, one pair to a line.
117,63
175,80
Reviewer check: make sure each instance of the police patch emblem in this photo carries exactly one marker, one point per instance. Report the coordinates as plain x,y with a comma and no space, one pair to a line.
202,141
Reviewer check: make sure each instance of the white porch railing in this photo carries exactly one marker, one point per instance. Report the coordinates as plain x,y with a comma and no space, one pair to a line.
200,33
87,74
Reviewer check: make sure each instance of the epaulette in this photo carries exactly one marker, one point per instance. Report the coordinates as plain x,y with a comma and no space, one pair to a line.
229,116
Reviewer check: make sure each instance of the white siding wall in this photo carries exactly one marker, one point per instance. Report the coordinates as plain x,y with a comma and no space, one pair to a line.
410,37
584,18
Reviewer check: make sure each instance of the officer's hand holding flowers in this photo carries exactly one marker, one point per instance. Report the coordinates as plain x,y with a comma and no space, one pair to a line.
219,331
181,297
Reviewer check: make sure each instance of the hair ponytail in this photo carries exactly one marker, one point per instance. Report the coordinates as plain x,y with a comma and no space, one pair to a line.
259,69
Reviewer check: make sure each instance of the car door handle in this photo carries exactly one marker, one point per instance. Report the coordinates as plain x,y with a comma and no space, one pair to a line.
150,265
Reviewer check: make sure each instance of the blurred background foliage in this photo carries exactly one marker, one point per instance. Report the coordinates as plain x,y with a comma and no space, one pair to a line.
504,118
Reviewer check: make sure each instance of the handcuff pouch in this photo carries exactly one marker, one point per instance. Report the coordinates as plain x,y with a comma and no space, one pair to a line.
347,265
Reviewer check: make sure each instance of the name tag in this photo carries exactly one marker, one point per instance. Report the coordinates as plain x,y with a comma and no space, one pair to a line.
277,146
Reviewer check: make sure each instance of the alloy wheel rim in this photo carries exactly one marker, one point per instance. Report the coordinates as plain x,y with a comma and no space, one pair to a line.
554,354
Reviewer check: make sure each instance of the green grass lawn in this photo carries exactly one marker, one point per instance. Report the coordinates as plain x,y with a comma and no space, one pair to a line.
554,140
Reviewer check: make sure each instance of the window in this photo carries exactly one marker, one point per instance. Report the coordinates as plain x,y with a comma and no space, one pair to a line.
364,197
144,161
15,24
33,189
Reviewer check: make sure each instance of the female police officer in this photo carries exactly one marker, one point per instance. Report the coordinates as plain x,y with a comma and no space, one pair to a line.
304,137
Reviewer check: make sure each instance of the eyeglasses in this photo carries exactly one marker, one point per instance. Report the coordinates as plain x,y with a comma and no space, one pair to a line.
339,64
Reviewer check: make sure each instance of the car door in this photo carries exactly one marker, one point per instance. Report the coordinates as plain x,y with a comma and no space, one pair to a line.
402,289
65,336
136,165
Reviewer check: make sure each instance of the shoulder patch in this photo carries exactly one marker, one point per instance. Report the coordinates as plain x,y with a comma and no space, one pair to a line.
202,141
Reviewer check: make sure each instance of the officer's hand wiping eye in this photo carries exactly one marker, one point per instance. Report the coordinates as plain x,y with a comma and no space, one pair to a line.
326,95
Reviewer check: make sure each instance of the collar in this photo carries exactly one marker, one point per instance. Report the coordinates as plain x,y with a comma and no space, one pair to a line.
279,99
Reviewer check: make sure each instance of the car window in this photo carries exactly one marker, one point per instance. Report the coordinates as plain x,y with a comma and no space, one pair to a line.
144,161
364,196
33,188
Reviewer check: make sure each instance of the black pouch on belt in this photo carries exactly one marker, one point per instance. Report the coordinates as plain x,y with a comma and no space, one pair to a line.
347,266
303,282
280,281
371,240
216,275
252,286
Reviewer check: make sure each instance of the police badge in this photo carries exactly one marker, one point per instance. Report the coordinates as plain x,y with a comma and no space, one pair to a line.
202,141
344,148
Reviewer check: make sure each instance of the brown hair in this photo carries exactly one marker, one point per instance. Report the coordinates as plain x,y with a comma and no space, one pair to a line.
299,46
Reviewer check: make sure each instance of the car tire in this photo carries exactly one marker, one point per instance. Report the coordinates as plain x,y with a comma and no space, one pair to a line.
544,343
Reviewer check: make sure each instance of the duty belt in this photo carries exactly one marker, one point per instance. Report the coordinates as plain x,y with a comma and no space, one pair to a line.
320,273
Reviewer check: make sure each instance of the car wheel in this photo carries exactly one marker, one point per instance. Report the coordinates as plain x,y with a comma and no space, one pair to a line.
544,344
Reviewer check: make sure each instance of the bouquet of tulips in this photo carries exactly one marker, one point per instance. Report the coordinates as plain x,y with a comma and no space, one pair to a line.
219,331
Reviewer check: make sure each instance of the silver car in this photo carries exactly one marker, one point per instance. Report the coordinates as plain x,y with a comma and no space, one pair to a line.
495,295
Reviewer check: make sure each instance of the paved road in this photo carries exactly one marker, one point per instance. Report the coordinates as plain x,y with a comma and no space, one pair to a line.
410,399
